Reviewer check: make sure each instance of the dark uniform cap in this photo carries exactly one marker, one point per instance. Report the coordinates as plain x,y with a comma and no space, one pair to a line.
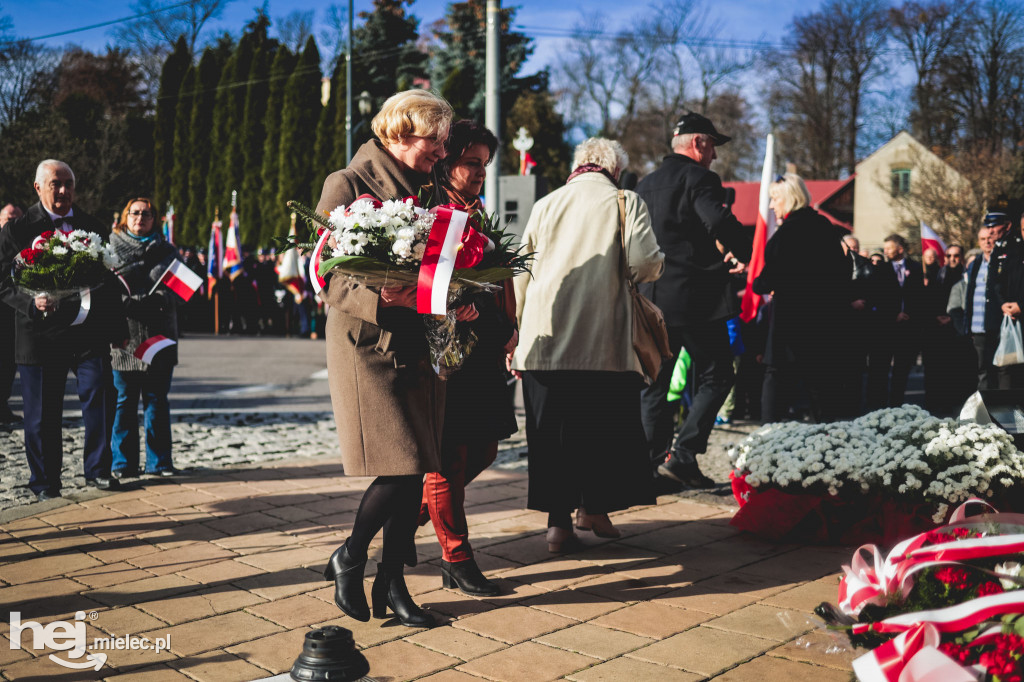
695,123
995,218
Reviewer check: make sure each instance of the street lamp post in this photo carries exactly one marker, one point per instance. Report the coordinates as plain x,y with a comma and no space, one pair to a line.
348,88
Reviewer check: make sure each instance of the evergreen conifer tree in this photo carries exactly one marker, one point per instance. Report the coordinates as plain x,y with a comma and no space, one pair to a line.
385,56
300,113
252,135
272,213
186,233
207,77
171,78
330,136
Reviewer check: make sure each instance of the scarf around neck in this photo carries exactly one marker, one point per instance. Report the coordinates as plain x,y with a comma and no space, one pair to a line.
591,168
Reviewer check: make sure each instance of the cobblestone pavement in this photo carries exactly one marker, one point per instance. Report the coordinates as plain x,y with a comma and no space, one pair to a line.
214,440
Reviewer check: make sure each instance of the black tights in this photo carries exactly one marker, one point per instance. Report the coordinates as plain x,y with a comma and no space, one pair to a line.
391,503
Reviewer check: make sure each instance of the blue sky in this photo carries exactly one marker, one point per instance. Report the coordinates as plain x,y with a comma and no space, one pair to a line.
742,19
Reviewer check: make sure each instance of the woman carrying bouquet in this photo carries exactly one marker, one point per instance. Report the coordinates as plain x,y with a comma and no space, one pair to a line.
581,376
388,401
478,411
143,257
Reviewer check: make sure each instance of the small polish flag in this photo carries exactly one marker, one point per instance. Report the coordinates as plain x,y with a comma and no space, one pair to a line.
180,279
148,349
930,240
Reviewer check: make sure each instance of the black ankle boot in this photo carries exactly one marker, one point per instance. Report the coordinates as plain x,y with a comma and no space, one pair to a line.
466,576
347,574
389,591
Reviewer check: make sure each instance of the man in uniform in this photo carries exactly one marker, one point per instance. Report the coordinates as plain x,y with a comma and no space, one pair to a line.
703,243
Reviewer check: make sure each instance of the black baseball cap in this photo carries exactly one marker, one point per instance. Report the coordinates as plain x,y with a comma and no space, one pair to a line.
995,218
695,123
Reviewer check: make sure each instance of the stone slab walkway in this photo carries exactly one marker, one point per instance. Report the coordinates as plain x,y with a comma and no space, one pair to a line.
227,565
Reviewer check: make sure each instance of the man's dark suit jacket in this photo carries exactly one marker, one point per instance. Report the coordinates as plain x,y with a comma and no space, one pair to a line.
688,212
888,298
52,339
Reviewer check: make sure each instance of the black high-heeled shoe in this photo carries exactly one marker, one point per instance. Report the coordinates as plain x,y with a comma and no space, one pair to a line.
466,576
389,591
347,574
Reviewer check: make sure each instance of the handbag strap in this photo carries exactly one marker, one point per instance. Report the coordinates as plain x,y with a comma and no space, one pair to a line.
622,239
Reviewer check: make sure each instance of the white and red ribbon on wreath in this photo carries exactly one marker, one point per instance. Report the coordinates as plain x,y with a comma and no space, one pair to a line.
315,280
873,582
452,244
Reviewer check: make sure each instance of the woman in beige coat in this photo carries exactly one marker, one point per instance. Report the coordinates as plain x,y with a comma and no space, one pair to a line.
388,402
581,377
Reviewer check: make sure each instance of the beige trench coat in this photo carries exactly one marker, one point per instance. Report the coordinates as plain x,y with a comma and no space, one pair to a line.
388,402
574,309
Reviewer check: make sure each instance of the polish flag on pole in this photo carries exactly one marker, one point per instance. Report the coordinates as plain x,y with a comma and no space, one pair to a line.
288,272
930,240
763,231
180,279
232,248
526,163
214,255
148,349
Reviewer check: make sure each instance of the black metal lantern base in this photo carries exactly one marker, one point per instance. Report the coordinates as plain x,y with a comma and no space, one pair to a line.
329,654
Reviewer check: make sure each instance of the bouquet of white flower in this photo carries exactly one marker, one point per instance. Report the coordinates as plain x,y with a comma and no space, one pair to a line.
61,263
902,454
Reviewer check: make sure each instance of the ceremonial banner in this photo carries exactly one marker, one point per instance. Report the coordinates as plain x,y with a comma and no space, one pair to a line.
763,231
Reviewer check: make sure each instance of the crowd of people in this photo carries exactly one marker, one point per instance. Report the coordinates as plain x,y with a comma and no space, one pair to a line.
837,334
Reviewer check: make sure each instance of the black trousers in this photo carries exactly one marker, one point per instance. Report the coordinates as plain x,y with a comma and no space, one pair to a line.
43,391
895,346
586,443
711,376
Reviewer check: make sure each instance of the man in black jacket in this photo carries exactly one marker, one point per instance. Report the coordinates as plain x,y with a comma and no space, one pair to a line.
8,368
694,227
52,337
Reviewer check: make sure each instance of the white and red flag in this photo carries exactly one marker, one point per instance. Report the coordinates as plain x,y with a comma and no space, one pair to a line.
452,244
526,163
148,349
232,264
930,240
288,271
763,231
180,279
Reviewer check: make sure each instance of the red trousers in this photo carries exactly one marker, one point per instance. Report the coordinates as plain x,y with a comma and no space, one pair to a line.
444,497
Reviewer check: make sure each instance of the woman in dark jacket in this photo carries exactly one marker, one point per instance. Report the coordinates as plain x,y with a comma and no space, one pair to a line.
388,402
478,404
144,256
808,275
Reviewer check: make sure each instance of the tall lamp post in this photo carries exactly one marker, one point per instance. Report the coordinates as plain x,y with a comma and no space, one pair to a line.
348,87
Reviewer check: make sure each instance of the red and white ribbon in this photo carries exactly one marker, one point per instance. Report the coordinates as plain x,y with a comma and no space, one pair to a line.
913,656
438,262
952,618
314,262
84,306
872,582
148,349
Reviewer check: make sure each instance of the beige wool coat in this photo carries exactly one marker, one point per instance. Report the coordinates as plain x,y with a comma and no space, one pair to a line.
574,309
388,402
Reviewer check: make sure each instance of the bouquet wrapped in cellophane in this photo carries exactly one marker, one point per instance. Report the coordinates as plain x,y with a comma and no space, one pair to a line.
61,264
445,252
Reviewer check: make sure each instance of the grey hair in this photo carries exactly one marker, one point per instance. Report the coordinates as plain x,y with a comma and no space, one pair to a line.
51,163
607,154
686,139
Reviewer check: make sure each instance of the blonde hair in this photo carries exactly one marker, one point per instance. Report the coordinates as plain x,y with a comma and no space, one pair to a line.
790,193
412,113
607,154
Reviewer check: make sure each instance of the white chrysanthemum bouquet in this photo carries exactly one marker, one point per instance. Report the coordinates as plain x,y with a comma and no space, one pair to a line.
60,263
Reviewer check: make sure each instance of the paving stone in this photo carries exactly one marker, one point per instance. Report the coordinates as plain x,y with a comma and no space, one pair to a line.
622,587
451,676
620,669
456,643
215,632
513,624
181,558
281,584
768,669
703,650
157,673
201,604
807,596
126,620
594,641
401,660
766,621
821,647
109,574
45,566
296,611
527,662
217,666
575,604
220,572
650,619
554,574
273,652
141,591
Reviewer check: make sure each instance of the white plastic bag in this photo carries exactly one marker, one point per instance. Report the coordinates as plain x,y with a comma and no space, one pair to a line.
1011,347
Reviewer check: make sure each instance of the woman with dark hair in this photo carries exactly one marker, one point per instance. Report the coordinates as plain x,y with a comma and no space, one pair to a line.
144,256
478,409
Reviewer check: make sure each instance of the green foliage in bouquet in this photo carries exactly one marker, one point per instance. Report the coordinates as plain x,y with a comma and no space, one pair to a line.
56,266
